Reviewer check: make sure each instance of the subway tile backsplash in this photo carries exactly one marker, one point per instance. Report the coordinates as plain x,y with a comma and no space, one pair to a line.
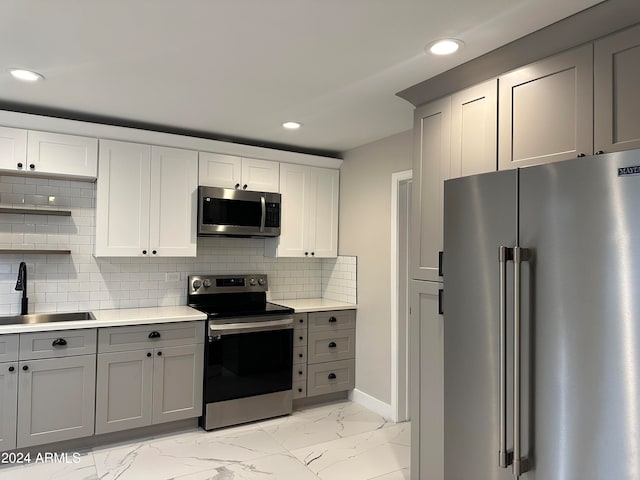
82,282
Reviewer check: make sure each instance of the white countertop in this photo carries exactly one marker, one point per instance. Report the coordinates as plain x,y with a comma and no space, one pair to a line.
115,317
304,305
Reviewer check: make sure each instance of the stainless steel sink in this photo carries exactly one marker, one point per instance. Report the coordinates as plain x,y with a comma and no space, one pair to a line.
46,318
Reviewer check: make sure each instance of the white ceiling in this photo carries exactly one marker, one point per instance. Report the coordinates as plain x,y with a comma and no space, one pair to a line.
239,68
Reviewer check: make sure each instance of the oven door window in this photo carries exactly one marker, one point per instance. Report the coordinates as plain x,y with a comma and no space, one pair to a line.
220,211
247,364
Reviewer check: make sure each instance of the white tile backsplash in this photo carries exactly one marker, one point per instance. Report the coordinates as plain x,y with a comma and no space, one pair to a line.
82,282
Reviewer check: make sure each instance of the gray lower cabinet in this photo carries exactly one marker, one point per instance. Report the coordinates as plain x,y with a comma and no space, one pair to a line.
8,404
145,386
57,399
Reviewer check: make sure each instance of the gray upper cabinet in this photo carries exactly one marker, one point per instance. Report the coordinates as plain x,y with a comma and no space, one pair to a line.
546,110
474,125
431,161
617,91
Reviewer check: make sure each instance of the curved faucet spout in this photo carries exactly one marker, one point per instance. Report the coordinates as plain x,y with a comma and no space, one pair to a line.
21,285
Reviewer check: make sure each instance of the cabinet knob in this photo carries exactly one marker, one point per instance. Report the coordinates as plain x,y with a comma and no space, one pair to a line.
306,253
11,368
25,368
159,354
59,342
148,354
299,390
301,320
144,252
580,155
244,187
299,372
599,152
154,251
237,186
332,345
333,319
32,166
19,164
332,376
301,337
313,253
154,334
300,355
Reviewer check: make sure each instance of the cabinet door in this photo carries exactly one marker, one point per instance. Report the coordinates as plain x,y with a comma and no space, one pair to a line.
124,389
295,184
260,175
546,110
13,149
323,232
57,399
426,367
474,130
8,405
122,200
617,91
177,383
216,170
432,158
173,202
62,155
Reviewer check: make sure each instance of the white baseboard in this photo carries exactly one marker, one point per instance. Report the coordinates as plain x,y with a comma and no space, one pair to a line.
372,403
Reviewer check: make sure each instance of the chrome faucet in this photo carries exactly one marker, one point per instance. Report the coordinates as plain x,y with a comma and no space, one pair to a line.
22,285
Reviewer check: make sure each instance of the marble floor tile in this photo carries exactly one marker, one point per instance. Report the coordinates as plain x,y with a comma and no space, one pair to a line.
184,454
321,424
359,457
329,442
282,466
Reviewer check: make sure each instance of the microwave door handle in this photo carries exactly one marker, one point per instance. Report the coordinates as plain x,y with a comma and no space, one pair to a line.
263,206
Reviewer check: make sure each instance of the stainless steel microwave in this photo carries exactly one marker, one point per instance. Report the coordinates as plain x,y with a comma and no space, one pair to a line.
229,212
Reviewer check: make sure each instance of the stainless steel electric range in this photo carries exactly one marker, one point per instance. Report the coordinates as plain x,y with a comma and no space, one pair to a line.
248,352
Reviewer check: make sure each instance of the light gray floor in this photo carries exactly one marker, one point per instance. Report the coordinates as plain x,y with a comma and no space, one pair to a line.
329,442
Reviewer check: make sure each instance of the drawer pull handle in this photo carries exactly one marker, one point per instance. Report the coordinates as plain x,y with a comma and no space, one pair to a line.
332,376
301,337
59,342
332,345
300,355
333,319
154,335
301,320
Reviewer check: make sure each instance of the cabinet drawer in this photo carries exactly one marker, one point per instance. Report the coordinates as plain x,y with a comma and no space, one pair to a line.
331,377
9,348
119,339
330,346
299,389
58,343
300,321
299,338
299,373
331,321
300,354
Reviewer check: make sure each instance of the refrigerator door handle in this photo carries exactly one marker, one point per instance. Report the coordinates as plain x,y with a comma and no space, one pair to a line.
520,464
505,456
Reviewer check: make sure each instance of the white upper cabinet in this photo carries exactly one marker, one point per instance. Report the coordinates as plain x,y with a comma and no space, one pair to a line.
146,201
617,92
309,225
48,154
546,110
228,171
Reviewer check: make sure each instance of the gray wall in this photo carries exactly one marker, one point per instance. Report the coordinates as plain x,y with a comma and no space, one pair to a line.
365,231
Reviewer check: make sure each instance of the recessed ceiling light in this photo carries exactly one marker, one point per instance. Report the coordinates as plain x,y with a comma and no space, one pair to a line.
292,125
26,75
446,46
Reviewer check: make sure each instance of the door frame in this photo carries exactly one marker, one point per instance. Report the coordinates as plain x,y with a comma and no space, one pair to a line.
399,346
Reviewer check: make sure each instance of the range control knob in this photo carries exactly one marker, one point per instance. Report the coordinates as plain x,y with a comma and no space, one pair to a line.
261,281
197,284
252,282
206,283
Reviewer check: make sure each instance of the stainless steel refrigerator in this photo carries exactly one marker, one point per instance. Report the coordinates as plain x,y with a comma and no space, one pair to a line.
542,322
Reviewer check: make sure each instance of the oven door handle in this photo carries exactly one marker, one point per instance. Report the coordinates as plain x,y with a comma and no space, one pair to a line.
247,327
